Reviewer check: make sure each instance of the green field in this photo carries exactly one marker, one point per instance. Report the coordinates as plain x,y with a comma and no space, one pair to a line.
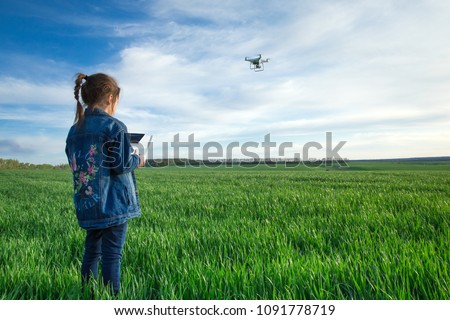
370,231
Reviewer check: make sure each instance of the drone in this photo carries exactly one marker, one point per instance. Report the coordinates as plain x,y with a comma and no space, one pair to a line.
256,62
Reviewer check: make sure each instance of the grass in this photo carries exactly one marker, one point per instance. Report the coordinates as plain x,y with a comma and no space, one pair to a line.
370,231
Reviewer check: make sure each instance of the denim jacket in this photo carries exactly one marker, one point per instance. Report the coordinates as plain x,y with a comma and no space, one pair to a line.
102,162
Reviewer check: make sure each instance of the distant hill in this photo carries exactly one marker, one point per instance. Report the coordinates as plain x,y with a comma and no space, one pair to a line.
422,159
15,164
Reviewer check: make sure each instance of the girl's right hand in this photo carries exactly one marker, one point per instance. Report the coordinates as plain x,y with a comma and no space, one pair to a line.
141,161
141,158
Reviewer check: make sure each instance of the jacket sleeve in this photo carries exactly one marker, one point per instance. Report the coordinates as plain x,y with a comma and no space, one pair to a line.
120,156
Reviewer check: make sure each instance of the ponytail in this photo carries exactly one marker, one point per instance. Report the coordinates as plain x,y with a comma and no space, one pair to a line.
79,114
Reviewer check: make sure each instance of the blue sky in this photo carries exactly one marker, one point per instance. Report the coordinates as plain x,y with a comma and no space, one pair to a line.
374,73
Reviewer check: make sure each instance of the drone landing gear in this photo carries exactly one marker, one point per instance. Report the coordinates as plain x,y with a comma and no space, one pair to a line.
257,67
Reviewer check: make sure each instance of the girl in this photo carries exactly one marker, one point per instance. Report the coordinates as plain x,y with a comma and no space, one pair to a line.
102,161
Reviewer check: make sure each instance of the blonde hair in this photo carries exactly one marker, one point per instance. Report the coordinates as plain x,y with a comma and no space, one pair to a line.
95,91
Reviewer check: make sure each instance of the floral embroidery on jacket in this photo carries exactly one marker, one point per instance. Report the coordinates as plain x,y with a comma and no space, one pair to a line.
83,175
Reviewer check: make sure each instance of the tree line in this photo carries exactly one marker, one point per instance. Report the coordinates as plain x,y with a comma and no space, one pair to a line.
15,164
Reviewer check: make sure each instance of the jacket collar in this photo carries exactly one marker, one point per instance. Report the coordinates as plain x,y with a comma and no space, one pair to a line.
95,111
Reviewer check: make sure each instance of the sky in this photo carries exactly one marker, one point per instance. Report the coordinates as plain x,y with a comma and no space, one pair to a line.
376,74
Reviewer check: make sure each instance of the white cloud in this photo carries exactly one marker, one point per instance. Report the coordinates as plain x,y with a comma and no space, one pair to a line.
34,148
20,91
398,144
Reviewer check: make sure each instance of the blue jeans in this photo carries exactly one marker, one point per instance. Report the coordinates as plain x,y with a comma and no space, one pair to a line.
106,244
